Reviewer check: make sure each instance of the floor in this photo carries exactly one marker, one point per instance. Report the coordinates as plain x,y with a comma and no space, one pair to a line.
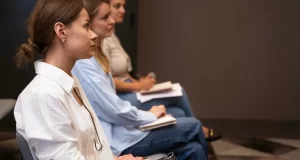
256,149
255,140
243,140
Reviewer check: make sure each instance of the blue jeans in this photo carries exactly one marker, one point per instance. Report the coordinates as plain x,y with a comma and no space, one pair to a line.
185,139
181,102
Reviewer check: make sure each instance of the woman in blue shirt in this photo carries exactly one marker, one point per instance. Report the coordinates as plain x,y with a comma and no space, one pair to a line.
120,119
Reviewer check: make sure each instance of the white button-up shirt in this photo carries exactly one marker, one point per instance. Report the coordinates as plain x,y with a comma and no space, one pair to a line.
53,123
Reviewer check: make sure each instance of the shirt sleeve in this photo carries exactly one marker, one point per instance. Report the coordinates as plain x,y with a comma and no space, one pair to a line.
103,98
49,131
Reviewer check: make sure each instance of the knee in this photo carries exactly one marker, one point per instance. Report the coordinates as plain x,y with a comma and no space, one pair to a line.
189,121
176,112
191,127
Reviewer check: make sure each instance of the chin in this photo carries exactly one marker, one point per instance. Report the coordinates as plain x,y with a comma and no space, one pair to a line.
88,56
120,20
108,34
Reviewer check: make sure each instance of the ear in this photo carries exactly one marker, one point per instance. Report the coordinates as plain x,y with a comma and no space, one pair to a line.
60,31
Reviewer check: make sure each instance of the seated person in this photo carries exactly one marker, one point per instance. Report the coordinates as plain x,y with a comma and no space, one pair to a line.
120,119
52,113
126,85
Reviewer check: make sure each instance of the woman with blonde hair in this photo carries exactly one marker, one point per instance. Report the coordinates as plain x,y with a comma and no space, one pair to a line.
119,118
127,86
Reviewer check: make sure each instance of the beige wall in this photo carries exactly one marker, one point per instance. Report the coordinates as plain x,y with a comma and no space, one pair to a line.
235,58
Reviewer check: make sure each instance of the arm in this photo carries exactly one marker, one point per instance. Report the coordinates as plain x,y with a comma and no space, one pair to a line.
110,48
49,130
102,96
132,79
126,86
145,83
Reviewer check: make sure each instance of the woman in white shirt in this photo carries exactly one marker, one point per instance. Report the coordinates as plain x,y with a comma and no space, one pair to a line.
126,85
52,113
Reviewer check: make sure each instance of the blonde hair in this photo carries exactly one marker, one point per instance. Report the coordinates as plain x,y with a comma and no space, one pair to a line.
92,7
102,59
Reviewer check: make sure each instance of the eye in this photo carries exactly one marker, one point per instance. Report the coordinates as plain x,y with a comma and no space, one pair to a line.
105,17
87,25
117,6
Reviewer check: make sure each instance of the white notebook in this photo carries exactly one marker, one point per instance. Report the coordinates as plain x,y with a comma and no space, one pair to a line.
176,91
161,122
161,87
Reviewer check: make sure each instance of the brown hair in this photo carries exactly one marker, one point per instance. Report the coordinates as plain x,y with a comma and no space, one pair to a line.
41,26
92,7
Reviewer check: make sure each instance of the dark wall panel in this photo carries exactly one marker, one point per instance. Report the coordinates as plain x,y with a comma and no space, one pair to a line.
14,14
236,58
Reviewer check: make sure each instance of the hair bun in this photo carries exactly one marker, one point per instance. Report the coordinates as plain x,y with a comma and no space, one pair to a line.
26,53
27,50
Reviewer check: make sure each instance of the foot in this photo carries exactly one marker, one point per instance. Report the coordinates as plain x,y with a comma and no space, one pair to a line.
213,135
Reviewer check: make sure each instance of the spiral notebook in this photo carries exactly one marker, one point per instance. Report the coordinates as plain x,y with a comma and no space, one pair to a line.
161,122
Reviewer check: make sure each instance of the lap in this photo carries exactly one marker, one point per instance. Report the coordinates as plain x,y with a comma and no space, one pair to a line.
164,140
131,97
176,112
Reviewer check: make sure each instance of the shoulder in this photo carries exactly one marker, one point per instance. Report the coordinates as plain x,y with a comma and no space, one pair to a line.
87,68
41,92
42,85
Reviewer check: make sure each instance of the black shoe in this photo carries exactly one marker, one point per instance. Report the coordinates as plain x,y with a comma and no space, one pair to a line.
213,135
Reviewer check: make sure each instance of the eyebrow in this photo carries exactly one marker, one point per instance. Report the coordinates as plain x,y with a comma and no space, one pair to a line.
107,14
88,20
119,3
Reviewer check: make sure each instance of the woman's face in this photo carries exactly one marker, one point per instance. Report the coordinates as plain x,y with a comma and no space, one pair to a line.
118,10
102,23
79,40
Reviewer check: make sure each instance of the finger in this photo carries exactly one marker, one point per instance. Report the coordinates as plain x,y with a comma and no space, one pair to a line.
152,79
121,157
162,107
151,75
164,112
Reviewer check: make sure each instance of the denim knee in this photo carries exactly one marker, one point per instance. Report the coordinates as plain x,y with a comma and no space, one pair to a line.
176,112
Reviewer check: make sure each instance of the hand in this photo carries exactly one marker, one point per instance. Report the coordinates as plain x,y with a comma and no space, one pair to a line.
150,75
158,111
146,83
129,157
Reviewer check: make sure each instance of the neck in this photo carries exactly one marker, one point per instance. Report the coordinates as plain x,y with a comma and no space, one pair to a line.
58,58
98,41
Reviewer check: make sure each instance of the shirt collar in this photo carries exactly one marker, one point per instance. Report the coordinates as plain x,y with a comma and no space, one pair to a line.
56,74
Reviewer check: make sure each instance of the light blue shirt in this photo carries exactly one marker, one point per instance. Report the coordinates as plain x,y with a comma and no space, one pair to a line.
118,118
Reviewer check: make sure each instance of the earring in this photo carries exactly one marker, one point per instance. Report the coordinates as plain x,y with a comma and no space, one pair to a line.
63,40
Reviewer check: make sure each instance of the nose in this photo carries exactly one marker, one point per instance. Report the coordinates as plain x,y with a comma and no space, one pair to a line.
93,35
122,9
111,21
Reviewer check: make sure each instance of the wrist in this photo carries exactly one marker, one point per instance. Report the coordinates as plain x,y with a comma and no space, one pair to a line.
136,86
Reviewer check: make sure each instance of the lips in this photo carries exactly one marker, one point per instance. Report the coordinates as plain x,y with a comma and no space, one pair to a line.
109,29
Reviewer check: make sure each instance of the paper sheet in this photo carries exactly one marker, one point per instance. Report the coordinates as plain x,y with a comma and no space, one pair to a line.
175,92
